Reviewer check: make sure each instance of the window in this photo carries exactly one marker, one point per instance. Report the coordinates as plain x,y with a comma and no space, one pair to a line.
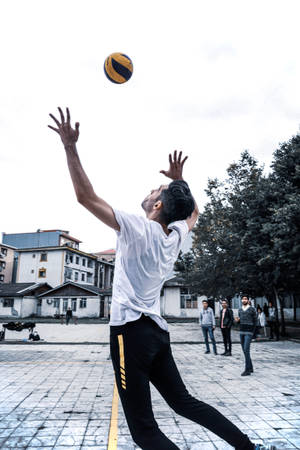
83,277
68,274
3,264
43,257
56,303
77,259
32,270
71,259
4,251
42,273
8,302
90,263
82,303
83,261
74,304
65,304
1,277
33,255
76,276
188,301
89,277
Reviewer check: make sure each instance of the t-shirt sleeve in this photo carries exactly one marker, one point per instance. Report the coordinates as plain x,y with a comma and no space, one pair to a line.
132,226
181,227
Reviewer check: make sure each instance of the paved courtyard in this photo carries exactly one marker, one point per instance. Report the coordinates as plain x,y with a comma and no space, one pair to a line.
62,396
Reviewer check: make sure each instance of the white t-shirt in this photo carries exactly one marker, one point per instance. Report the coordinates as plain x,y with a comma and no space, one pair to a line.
145,256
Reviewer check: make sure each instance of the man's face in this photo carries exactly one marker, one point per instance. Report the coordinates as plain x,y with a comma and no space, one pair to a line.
150,200
245,300
205,305
224,305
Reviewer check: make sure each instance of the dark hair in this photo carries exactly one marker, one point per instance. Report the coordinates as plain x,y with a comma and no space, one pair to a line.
178,202
245,295
259,308
224,300
204,301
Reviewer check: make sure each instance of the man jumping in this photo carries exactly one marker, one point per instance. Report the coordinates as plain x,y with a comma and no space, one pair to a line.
147,248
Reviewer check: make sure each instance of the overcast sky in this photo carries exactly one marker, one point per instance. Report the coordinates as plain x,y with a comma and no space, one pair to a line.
211,78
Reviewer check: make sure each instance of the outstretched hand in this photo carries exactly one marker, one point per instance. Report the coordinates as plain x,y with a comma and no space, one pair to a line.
176,166
68,135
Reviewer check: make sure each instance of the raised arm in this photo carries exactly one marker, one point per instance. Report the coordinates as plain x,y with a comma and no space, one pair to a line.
175,173
85,193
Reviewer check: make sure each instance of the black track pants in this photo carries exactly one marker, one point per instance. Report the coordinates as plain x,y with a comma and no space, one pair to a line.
141,352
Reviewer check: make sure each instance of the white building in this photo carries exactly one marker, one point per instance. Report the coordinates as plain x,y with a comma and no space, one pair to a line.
84,301
55,265
18,300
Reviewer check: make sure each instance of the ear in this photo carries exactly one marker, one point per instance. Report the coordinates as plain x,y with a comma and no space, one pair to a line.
158,205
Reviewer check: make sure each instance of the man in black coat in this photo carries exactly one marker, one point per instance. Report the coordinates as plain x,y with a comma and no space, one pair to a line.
226,321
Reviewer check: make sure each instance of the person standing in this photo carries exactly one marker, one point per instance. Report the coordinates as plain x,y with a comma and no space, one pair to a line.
69,315
208,324
147,248
273,321
247,318
262,320
226,322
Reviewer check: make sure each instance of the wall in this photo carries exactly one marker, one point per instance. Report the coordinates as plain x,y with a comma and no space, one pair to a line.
9,260
28,263
92,307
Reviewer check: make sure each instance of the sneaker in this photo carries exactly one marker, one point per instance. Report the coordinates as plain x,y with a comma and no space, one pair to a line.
207,351
245,373
264,447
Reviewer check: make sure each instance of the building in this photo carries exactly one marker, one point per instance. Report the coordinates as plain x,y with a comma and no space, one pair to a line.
18,300
84,300
178,302
55,265
40,238
107,255
104,274
7,263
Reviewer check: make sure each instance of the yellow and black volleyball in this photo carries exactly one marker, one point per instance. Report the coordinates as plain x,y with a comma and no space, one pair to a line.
118,68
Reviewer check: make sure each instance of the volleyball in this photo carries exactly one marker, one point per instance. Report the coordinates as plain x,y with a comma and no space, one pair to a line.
118,68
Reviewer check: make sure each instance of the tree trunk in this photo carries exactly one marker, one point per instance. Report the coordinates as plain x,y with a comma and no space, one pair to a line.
279,303
294,306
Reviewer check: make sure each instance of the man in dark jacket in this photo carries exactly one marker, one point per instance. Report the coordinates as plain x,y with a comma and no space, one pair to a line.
247,318
226,321
69,315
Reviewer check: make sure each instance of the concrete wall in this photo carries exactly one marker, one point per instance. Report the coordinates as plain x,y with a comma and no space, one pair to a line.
29,266
170,304
23,307
9,264
92,307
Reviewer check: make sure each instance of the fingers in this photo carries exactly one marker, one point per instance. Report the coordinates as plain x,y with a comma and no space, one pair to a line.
68,116
184,160
55,120
54,129
61,115
77,129
179,157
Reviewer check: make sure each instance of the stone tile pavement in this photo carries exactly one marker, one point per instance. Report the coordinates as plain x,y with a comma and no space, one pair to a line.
60,396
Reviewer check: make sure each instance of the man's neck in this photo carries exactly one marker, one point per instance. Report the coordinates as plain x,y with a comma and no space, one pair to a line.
245,307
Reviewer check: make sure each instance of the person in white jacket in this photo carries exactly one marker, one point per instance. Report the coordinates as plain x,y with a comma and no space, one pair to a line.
262,321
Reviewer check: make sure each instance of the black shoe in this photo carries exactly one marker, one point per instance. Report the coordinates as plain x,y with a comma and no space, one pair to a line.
228,354
225,353
251,370
215,353
245,373
207,351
